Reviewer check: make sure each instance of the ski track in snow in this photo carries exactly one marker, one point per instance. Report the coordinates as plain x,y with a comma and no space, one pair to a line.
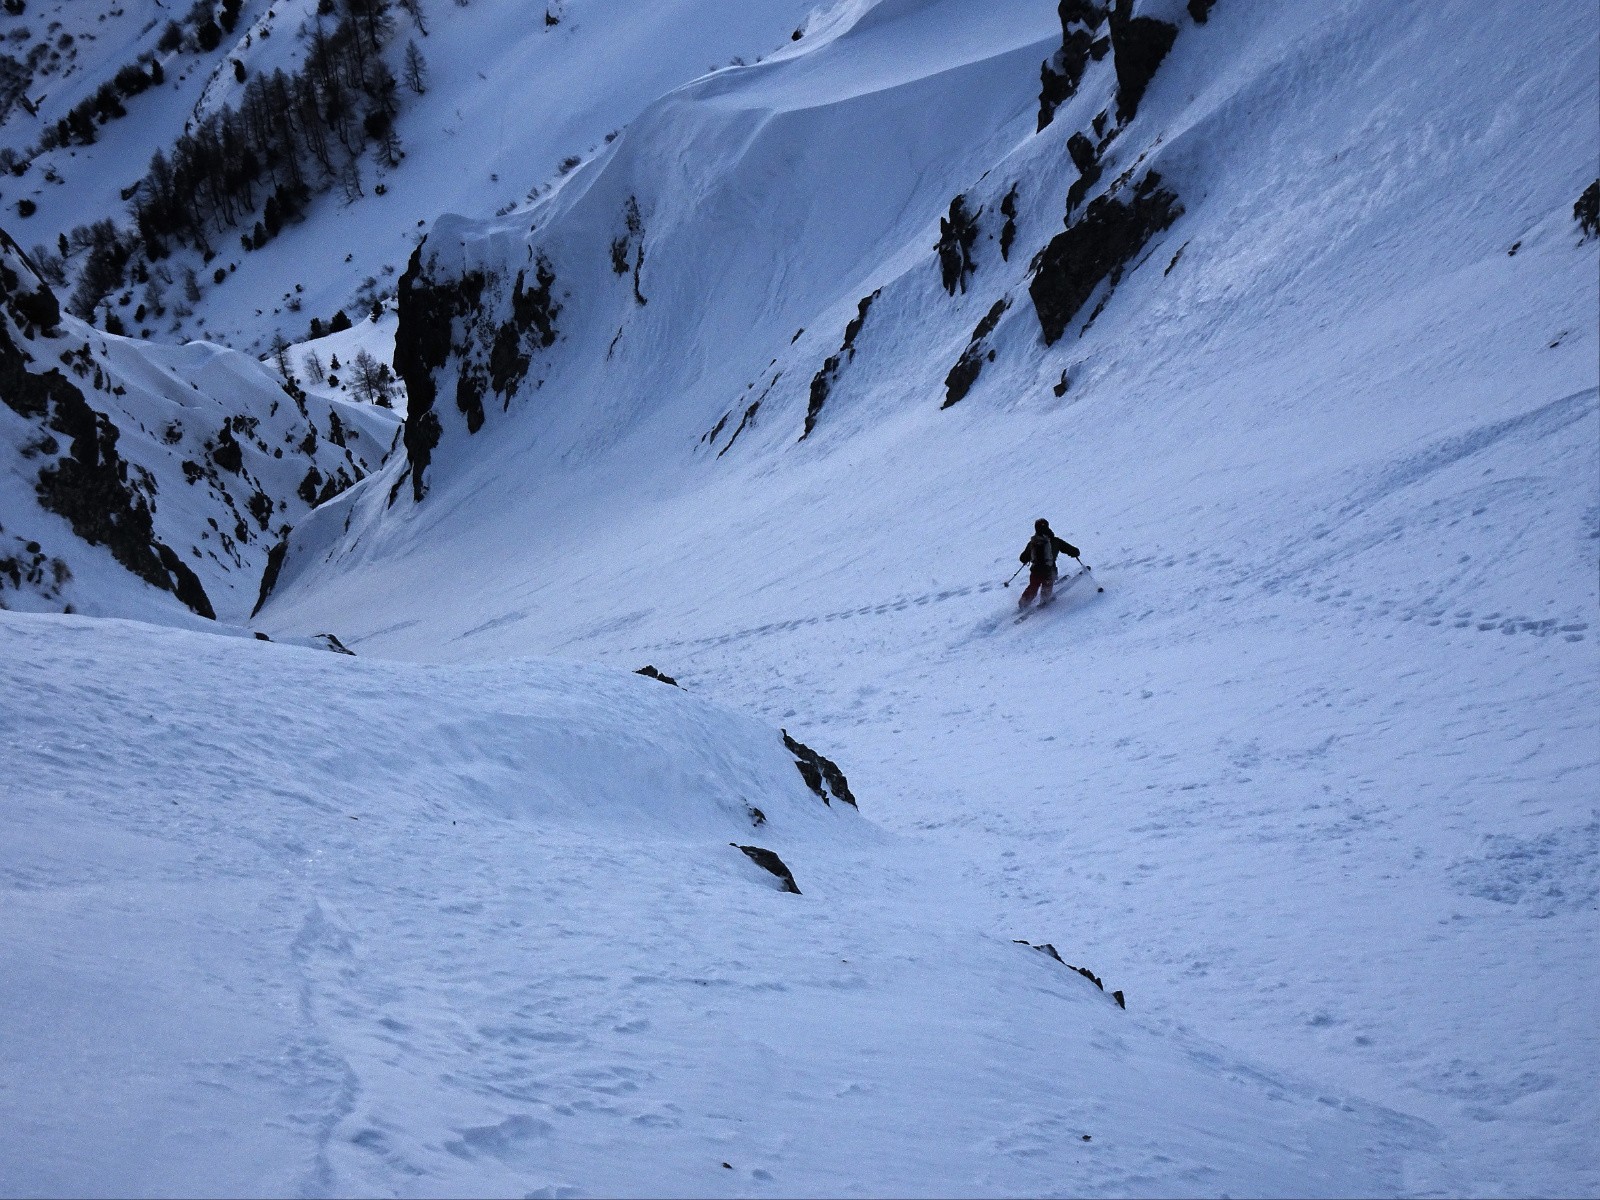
1462,618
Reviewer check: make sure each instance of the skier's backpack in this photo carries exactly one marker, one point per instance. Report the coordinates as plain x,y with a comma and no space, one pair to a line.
1042,552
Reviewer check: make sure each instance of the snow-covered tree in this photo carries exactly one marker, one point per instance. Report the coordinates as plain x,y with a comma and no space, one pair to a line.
416,69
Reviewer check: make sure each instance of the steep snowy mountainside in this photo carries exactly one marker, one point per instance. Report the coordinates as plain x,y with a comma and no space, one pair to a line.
146,480
820,157
1327,165
349,927
509,97
1309,372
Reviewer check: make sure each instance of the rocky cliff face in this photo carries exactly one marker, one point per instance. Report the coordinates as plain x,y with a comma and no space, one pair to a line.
136,479
490,332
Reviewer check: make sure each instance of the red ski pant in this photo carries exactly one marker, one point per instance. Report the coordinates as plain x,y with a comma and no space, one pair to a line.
1041,584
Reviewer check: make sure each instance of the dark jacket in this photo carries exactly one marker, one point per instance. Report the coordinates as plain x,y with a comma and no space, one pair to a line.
1041,551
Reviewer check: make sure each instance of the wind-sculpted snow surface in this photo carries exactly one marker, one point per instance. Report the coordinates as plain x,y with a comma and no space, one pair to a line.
135,479
289,923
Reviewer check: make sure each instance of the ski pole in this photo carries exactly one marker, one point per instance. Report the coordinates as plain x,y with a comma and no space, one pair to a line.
1014,574
1087,568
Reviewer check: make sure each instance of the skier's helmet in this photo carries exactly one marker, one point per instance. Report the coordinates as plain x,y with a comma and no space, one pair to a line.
1041,526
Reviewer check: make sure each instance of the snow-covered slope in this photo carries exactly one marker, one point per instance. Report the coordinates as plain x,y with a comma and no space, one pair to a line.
512,91
1290,328
1318,767
351,928
153,481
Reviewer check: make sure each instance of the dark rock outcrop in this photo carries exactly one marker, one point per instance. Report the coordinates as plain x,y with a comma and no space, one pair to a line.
269,577
965,373
1138,44
1586,212
1048,949
630,247
24,290
818,771
821,385
768,861
1200,10
492,356
822,382
957,233
25,564
1086,157
744,422
711,436
427,314
1008,231
650,672
531,326
106,443
1097,247
185,583
88,483
1061,73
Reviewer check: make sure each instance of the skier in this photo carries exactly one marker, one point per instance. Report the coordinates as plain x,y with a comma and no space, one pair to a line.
1040,553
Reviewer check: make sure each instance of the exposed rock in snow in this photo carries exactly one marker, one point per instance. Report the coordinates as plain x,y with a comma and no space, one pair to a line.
491,334
136,467
1586,212
817,771
965,373
822,382
958,231
768,861
1096,249
1138,44
1061,73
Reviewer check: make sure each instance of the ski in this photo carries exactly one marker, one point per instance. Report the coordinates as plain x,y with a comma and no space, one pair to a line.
1061,587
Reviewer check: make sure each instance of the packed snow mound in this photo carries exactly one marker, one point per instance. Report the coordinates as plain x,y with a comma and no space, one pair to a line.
137,480
348,927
